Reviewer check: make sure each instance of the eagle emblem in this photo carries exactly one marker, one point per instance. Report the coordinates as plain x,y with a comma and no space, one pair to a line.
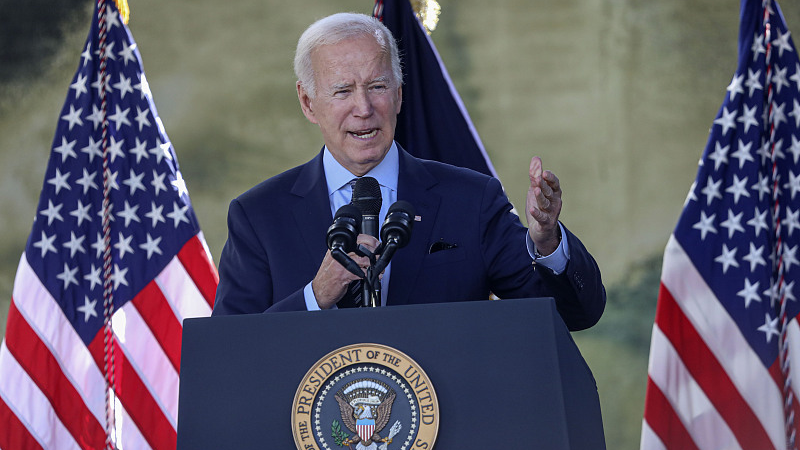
366,406
365,397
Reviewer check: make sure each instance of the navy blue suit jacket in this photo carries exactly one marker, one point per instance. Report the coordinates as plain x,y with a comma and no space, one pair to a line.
277,240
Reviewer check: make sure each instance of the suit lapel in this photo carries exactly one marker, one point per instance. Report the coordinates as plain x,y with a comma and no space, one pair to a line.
414,186
312,213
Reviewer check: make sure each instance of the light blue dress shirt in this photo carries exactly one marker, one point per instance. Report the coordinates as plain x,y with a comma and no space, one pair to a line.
340,193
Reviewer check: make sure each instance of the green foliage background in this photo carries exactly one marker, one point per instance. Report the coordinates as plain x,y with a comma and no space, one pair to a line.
616,96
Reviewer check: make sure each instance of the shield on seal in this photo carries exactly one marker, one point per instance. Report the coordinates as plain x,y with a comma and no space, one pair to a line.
365,428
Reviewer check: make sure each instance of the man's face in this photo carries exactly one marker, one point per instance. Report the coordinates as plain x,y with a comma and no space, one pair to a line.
356,103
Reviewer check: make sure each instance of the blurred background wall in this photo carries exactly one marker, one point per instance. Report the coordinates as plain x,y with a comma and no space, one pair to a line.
616,96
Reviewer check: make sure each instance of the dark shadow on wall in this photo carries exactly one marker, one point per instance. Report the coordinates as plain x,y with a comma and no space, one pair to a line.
32,31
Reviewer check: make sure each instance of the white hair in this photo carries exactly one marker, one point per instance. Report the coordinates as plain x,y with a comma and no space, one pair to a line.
334,29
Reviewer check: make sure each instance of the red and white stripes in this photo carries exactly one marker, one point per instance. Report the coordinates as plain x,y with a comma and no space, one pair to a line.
702,372
52,388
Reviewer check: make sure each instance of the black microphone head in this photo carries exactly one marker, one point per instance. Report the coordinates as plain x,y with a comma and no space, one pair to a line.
402,205
346,226
398,224
348,211
367,196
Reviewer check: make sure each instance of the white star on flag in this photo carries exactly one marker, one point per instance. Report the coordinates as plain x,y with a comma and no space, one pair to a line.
724,366
96,279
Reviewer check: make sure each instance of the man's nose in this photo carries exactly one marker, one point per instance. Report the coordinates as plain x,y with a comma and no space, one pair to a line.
362,104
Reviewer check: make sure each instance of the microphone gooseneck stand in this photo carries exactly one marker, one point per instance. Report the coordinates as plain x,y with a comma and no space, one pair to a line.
395,234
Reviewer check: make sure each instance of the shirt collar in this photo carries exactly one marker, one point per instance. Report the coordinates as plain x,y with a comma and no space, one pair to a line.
386,172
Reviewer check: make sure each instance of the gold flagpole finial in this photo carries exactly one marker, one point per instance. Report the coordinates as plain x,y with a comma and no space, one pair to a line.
124,11
427,11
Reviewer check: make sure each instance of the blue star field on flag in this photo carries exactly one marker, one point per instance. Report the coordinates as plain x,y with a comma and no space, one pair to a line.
151,215
728,226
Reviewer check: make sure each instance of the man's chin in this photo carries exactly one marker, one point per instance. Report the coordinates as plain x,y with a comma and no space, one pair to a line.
370,153
365,162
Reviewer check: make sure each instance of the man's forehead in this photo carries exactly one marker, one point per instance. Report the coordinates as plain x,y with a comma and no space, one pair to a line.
339,65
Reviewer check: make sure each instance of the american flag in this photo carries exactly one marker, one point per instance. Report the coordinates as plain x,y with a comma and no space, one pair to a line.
724,368
52,371
433,123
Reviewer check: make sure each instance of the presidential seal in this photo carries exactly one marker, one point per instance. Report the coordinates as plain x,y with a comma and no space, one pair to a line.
365,397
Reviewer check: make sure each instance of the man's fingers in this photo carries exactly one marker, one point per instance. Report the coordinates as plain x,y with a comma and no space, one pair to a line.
547,190
369,242
535,169
362,262
552,181
540,216
542,201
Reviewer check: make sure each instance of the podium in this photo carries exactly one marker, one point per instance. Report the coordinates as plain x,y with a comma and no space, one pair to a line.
506,373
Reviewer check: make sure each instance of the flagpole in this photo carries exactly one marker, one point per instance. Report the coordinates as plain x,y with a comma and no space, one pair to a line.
779,290
69,376
108,292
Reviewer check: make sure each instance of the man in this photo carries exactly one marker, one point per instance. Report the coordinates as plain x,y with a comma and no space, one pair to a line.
466,241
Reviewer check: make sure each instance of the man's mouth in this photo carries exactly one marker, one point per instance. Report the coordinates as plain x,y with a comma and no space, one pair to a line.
364,134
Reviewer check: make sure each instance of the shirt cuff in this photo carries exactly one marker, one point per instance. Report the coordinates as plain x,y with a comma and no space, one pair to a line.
556,261
311,299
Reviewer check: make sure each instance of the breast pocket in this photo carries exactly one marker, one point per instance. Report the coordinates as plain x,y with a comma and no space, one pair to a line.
440,256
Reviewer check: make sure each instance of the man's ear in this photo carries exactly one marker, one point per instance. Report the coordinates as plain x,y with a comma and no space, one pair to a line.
399,99
306,103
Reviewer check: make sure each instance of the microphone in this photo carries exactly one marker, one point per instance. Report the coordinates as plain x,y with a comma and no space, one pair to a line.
367,197
343,232
396,232
398,224
342,235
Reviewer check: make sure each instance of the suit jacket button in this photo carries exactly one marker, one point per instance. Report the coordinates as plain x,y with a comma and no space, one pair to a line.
578,280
